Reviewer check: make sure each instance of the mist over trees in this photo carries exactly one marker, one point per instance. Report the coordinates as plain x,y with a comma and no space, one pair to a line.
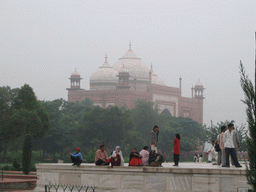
81,124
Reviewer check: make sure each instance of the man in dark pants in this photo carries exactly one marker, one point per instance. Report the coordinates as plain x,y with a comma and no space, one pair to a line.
76,157
229,146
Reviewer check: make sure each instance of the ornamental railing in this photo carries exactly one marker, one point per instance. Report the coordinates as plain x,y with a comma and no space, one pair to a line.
69,188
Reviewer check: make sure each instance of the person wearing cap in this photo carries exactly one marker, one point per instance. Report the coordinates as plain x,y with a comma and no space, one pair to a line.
76,157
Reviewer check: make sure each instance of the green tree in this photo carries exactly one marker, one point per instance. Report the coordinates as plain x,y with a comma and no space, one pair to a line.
250,101
144,118
105,126
27,154
27,116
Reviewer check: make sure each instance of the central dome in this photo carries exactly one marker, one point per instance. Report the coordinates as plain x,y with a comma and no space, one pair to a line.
105,73
134,65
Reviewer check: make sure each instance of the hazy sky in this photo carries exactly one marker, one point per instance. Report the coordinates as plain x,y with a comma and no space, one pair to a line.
43,41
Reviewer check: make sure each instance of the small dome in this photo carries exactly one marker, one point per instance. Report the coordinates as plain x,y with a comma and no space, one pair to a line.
105,73
199,84
155,79
75,74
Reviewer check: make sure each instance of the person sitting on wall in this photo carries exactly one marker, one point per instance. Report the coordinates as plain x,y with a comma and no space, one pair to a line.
135,158
101,156
211,152
118,151
76,157
144,155
115,160
155,159
195,159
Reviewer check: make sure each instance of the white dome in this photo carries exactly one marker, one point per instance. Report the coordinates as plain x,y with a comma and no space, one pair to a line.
75,74
134,66
155,79
199,84
105,73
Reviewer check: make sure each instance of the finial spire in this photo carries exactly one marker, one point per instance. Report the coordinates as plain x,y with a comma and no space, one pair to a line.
106,58
151,66
130,46
75,69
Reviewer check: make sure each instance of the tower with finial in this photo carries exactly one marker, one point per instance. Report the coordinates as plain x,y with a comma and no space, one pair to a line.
75,80
199,89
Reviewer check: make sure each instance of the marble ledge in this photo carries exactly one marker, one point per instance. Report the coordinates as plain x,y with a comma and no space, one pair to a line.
84,168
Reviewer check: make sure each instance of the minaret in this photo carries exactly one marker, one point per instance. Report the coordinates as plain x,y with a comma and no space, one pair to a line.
75,80
180,84
150,74
198,104
199,88
192,91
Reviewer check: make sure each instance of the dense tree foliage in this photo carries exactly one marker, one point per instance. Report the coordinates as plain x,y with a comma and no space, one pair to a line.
250,101
81,124
21,114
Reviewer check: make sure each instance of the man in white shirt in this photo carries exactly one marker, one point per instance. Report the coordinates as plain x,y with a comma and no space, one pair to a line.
229,146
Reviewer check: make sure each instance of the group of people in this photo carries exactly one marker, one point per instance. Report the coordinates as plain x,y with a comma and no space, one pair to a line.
226,145
143,158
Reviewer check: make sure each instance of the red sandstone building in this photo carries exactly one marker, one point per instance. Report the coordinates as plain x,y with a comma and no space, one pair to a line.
130,80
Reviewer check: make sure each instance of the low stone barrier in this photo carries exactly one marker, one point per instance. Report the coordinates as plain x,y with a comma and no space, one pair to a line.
197,177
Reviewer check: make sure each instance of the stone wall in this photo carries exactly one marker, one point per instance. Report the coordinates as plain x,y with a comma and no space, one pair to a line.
142,179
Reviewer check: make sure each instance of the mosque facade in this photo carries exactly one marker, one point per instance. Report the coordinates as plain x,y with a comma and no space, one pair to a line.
130,80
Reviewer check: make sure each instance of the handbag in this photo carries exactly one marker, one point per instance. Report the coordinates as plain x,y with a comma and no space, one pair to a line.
217,148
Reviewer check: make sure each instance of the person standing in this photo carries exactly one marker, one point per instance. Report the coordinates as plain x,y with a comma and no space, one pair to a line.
217,143
229,146
236,143
76,157
154,138
176,149
223,154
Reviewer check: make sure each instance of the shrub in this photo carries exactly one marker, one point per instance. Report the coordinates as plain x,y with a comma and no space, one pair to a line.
6,168
27,154
16,166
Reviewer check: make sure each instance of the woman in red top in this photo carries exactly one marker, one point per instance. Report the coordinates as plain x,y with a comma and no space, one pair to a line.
176,150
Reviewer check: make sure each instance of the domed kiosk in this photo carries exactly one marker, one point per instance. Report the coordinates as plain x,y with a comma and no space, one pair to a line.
75,80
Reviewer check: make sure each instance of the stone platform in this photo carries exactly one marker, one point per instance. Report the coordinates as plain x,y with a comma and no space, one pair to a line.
186,177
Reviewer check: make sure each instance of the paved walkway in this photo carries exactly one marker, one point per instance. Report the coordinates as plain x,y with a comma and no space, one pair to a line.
191,165
202,165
